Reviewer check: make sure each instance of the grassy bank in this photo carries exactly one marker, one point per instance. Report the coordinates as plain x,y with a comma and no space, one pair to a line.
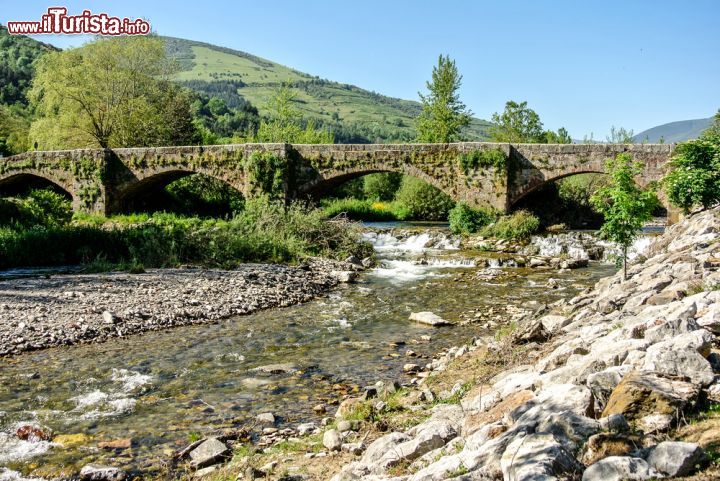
262,232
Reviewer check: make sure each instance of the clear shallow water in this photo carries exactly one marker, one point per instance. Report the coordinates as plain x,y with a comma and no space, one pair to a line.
160,387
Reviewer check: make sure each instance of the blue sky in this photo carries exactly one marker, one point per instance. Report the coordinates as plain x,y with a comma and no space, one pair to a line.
580,64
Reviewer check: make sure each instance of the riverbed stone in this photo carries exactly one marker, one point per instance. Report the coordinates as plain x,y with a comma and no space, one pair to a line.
97,472
429,319
619,468
279,368
211,451
673,458
265,418
645,392
684,363
536,456
332,440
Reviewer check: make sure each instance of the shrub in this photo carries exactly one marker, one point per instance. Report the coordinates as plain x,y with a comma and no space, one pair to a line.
382,186
422,200
40,207
694,178
264,232
519,225
358,209
466,220
482,158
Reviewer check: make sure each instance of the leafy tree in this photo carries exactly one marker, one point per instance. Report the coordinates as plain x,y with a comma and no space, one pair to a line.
443,114
518,124
382,186
620,135
560,137
109,93
285,123
694,177
625,206
18,55
14,127
422,200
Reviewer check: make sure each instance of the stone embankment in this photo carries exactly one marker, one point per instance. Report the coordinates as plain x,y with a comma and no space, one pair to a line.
37,313
611,379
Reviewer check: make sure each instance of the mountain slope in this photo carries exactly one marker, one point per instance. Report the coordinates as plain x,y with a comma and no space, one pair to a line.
674,131
354,113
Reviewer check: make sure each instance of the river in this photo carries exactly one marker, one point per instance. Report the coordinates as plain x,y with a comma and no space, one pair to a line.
163,389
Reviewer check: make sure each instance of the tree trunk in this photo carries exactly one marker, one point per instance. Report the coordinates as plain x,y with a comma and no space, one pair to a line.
625,262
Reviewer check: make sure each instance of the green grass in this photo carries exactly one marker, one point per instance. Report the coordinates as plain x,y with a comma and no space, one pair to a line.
263,232
383,118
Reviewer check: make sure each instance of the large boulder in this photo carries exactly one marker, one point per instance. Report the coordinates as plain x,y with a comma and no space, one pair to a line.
680,362
619,468
677,458
645,392
536,456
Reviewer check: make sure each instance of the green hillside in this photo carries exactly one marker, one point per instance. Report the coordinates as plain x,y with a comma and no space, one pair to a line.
353,113
674,131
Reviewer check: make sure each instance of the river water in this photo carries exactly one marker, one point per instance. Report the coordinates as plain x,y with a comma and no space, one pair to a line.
164,388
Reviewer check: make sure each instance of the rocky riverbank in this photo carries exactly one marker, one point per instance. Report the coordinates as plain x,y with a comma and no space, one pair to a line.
37,313
620,382
610,380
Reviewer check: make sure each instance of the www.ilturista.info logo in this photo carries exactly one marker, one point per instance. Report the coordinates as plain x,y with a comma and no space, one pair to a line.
57,21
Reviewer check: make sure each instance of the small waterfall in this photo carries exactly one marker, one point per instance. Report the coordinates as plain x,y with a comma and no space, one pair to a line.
582,246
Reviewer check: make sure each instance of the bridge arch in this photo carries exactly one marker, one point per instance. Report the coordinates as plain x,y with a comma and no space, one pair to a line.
149,190
324,184
538,185
14,183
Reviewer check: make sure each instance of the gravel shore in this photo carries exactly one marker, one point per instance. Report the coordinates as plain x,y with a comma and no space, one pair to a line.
37,313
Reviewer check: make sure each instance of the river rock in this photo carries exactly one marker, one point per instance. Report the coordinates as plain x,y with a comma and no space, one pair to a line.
644,392
344,276
211,451
553,323
96,472
332,440
429,319
381,446
280,368
265,418
619,468
677,458
536,456
685,363
603,445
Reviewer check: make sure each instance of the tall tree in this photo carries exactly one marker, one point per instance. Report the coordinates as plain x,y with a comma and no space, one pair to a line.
285,122
443,114
620,135
518,123
109,93
625,206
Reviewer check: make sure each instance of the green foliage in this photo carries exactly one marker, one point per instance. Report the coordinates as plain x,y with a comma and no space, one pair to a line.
519,225
625,206
264,232
443,115
285,122
466,220
694,177
517,124
267,173
18,56
204,196
14,128
562,136
422,200
39,208
110,93
382,186
483,159
218,122
362,209
620,136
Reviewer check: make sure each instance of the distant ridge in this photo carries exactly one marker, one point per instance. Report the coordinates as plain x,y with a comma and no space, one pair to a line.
679,131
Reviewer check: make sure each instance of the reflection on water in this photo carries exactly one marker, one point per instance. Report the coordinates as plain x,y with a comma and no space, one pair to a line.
161,387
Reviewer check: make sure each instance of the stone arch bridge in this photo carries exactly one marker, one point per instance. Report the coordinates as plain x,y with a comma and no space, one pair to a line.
482,174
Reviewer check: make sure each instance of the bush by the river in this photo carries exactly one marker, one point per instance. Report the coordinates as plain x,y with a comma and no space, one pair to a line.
467,220
519,225
422,200
361,209
38,208
263,232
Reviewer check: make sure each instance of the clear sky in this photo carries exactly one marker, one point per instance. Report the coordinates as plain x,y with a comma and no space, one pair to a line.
585,65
